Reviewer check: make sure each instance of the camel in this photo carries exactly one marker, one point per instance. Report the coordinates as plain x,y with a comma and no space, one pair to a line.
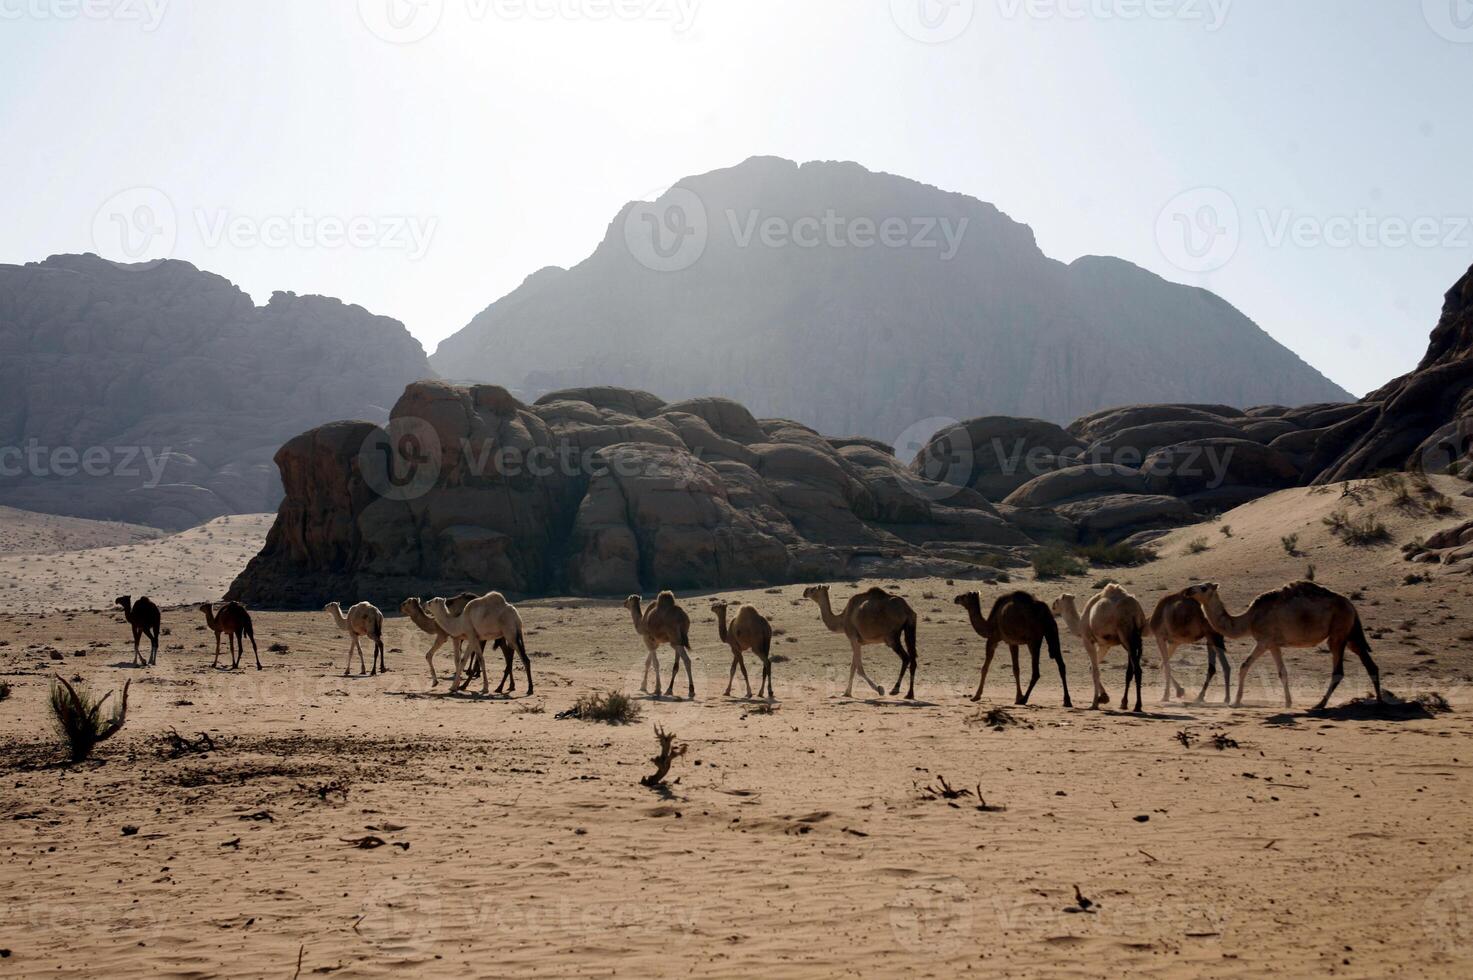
870,618
749,630
362,620
233,622
1179,620
1301,615
1017,619
415,610
487,618
1113,618
663,622
146,620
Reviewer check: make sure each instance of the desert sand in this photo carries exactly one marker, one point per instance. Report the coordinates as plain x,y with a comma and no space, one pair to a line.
794,841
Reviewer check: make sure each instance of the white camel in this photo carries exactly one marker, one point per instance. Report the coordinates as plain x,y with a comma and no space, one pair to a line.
415,610
362,620
487,619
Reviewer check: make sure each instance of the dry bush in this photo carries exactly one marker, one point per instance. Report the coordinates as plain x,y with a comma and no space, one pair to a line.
1291,545
1196,546
613,708
78,717
1054,561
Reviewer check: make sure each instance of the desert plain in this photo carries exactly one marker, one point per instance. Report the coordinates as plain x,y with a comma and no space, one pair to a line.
356,826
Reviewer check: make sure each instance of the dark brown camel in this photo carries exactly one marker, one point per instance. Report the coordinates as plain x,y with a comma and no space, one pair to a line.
1017,619
146,620
233,622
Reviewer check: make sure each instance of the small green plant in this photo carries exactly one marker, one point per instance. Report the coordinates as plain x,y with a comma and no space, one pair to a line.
1364,531
613,708
78,717
1197,545
1291,545
1054,561
1119,555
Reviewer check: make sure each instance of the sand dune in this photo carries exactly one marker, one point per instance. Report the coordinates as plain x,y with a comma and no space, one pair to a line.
793,843
26,532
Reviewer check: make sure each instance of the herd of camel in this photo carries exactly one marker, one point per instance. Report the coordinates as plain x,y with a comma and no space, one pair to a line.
1300,615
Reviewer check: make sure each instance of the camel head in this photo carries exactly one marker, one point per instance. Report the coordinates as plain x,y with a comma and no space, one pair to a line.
816,593
969,600
436,605
666,599
633,603
1061,603
1202,592
206,607
125,601
719,607
408,606
332,607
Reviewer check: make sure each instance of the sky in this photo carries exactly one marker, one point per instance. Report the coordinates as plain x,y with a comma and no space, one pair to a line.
1306,159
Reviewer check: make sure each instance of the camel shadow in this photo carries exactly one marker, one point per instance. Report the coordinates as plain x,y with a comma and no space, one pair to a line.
1424,707
883,702
125,665
1147,715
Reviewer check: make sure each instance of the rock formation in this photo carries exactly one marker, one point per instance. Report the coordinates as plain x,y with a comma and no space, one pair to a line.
792,305
157,394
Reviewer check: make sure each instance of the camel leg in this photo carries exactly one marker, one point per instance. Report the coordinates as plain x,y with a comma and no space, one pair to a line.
1258,651
767,678
153,654
217,652
526,661
1371,671
1064,680
682,655
1278,656
1034,649
234,654
652,658
894,643
348,667
1227,674
430,660
460,661
1101,695
731,676
1213,654
986,665
359,647
1017,675
509,677
742,663
1337,674
1166,650
137,657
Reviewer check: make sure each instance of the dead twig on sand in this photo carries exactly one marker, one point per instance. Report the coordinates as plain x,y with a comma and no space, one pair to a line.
669,752
372,843
943,791
175,745
300,950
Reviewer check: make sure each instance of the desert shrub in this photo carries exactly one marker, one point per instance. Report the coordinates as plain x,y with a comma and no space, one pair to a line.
78,717
1336,521
1442,505
1309,572
1196,546
1227,530
1114,555
1291,545
613,708
278,647
1415,579
1364,530
1054,561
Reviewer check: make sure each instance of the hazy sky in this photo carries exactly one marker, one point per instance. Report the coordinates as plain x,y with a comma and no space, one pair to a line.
1308,159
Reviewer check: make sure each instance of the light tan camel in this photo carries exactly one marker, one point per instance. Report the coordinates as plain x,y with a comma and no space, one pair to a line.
489,618
146,620
1177,621
749,630
1112,618
663,622
870,618
233,622
362,620
415,610
1017,619
1301,615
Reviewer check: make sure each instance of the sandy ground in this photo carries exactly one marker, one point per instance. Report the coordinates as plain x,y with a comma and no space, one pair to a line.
58,563
799,842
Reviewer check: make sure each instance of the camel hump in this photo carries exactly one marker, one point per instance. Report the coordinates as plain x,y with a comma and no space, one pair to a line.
1114,590
875,592
665,599
1305,590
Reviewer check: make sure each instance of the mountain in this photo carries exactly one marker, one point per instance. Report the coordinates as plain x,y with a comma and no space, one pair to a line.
863,303
157,393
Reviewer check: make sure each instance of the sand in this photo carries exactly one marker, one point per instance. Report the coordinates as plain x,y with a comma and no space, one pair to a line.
795,842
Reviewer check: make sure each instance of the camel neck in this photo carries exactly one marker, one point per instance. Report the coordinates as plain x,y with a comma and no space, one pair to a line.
979,622
636,612
721,624
1223,621
825,609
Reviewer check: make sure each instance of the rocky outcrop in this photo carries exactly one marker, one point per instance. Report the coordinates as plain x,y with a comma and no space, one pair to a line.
604,492
1423,420
157,394
780,291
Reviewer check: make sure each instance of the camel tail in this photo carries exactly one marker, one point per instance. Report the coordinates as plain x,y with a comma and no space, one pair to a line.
908,632
250,631
1358,637
1051,637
